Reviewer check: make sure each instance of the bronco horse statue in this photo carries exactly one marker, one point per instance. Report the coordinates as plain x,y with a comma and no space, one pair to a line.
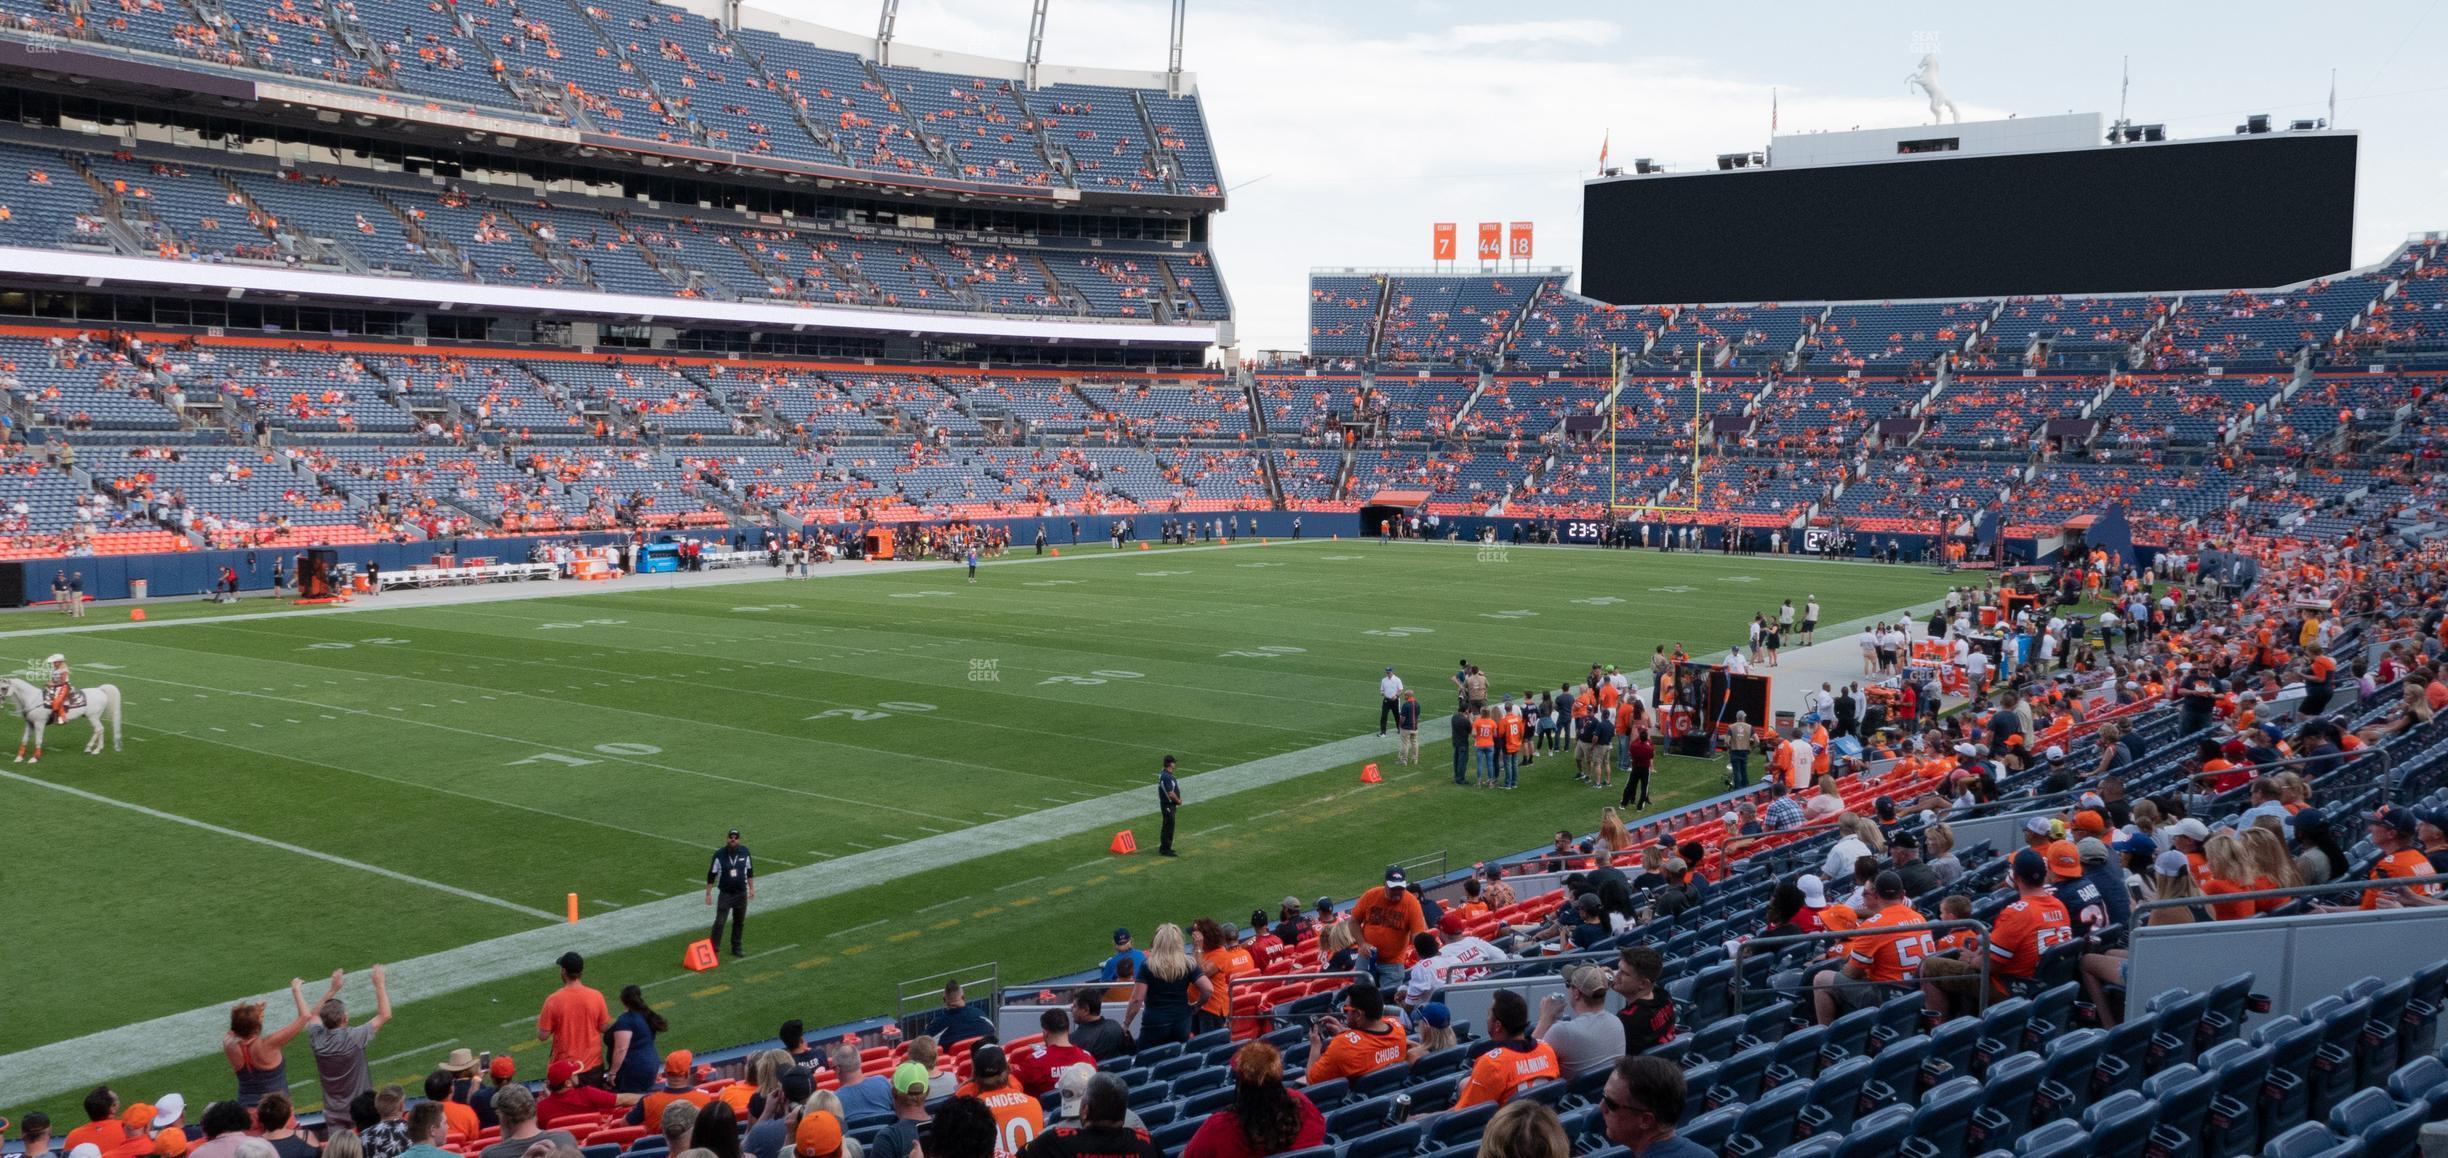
97,703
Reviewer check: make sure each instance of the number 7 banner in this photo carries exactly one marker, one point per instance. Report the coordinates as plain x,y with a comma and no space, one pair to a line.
1444,244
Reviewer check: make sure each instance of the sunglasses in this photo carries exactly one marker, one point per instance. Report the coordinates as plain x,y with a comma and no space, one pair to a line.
1608,1103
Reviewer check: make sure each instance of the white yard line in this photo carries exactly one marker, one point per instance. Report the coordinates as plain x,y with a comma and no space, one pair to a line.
285,846
420,1051
82,1062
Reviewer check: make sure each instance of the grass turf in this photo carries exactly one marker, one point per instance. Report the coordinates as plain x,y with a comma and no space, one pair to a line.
822,717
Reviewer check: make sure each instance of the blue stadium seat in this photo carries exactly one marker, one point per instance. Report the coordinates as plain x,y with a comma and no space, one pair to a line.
2000,1032
1365,1116
1941,1122
2121,1124
2377,1054
2073,1061
2052,1013
1328,1094
1441,1062
1205,1101
2180,1028
2311,1140
1456,1126
1898,1019
1391,1142
2423,1011
2184,1094
2058,1139
1740,1077
1835,1098
1797,1055
2424,1080
2385,1127
2286,1099
1849,1036
1767,1124
1379,1081
2125,1057
1714,1042
1815,1146
1897,1074
2234,1123
1710,1131
2334,1071
1952,1045
2007,1091
1878,1135
2223,1017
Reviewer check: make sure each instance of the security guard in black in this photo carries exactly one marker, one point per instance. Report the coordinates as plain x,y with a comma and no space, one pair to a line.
733,874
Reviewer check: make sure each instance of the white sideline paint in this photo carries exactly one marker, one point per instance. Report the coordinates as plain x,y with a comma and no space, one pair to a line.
83,1062
282,845
80,1063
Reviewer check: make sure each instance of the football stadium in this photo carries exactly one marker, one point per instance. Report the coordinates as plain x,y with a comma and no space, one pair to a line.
681,579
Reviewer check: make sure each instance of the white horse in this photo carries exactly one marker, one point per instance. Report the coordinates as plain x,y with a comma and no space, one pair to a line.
1927,80
33,703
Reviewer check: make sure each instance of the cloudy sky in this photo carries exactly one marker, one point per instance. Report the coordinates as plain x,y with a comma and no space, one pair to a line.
1349,126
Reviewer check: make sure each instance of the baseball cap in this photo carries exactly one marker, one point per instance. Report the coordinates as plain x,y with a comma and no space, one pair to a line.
168,1110
1072,1084
910,1078
1291,902
1839,917
170,1144
1814,891
1966,750
1121,935
1435,1015
2138,841
2170,863
571,962
676,1063
505,1067
2400,819
85,1150
2038,826
2091,850
2192,829
2055,754
1588,980
138,1116
820,1135
733,832
2435,817
1395,877
1389,671
2088,821
563,1069
1904,840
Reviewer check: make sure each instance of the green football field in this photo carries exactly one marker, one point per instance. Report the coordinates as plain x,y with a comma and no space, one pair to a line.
936,767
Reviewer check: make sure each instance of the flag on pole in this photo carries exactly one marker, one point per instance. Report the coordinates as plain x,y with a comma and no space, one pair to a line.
1772,112
1603,142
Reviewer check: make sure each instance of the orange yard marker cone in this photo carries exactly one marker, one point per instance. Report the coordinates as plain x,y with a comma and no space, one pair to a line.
700,957
1124,843
573,908
1368,775
1055,552
136,613
1143,545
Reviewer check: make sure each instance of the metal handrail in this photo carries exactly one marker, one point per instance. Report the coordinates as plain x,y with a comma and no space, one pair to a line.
1024,996
2364,884
1790,940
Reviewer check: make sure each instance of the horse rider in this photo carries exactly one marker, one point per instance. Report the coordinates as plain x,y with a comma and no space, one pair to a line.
60,689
